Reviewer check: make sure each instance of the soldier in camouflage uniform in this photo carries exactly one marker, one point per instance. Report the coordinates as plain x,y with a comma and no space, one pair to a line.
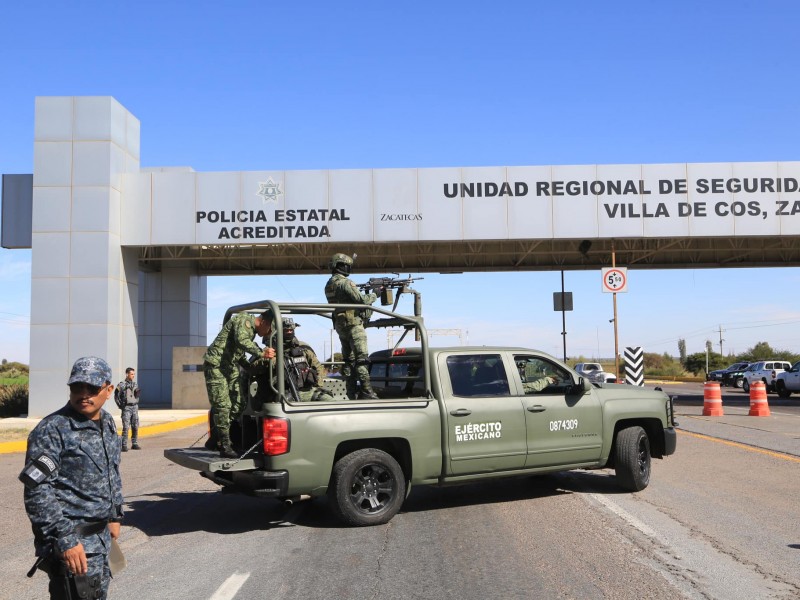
73,490
308,371
126,397
349,325
533,378
537,385
221,364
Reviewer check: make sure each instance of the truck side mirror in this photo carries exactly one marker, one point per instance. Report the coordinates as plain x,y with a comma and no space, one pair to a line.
584,386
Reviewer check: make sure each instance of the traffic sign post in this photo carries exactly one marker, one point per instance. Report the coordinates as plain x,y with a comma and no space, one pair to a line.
615,280
562,301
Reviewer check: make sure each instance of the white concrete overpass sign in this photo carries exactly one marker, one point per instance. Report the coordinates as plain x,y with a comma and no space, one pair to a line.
463,204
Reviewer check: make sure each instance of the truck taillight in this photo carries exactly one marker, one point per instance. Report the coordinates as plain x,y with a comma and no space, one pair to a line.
773,375
276,436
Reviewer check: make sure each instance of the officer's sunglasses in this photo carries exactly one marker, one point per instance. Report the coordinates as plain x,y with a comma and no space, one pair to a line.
85,389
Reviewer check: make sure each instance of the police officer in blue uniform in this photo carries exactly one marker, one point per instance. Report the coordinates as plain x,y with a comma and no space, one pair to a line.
73,489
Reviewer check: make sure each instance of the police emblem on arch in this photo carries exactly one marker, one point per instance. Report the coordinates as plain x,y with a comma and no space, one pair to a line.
269,190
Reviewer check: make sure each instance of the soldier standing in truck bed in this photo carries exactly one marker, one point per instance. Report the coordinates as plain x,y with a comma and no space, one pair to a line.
221,364
349,324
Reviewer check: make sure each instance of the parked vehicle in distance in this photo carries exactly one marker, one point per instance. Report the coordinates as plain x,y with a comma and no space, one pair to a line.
788,381
594,373
719,374
766,371
734,378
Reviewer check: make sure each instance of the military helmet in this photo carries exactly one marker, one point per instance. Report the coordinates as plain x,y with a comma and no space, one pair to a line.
341,263
288,329
92,370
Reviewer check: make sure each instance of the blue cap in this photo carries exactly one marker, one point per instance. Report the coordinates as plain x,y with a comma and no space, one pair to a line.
90,369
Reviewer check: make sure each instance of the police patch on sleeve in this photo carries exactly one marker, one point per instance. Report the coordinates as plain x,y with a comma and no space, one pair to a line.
37,470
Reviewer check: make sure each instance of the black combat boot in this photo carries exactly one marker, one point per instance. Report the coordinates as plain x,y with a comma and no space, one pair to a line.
227,451
225,448
212,441
367,393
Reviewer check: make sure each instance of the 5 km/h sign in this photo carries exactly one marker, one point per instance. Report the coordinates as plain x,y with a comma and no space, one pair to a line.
615,279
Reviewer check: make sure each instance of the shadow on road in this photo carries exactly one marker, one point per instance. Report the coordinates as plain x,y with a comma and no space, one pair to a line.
183,512
162,514
511,490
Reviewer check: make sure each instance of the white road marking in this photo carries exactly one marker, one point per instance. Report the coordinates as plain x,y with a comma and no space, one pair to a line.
231,585
625,516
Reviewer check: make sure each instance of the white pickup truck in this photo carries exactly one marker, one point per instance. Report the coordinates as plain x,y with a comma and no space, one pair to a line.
788,381
594,373
766,371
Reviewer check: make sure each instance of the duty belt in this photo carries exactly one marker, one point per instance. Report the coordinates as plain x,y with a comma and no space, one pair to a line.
85,529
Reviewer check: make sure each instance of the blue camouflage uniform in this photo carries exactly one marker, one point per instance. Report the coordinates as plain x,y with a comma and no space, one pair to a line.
126,397
82,492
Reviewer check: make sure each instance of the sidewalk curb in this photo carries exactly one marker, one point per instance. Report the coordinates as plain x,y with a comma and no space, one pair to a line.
22,446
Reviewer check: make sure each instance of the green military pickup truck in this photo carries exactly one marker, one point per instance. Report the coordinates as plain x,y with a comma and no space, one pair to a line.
445,416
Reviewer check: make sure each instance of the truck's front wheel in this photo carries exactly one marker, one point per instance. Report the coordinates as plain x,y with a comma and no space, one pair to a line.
368,487
632,460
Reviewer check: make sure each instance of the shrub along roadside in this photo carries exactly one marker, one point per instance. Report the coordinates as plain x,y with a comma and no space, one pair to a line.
13,400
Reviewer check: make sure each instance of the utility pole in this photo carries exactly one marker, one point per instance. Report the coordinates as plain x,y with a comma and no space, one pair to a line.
720,341
616,326
563,318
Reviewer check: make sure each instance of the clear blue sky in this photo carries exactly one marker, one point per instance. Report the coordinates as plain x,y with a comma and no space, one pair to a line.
253,85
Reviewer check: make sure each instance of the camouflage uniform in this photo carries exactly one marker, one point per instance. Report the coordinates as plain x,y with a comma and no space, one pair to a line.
349,325
310,371
126,397
221,364
83,487
537,385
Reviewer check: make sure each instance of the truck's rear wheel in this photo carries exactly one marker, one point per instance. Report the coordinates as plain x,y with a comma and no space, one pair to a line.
632,460
368,487
782,391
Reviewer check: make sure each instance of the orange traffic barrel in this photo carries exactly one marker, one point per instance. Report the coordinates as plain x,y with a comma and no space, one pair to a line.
758,400
712,399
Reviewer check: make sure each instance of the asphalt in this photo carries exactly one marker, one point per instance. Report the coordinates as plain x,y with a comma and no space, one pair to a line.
777,432
151,422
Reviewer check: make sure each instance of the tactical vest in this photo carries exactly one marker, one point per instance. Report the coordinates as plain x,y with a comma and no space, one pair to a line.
304,376
336,293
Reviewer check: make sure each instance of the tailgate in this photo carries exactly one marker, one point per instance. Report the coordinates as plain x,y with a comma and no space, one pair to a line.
210,461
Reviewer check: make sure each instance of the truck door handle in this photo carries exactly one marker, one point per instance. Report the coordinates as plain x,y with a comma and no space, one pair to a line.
461,412
536,408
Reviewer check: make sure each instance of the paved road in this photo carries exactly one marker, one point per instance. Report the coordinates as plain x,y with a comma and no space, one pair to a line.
719,520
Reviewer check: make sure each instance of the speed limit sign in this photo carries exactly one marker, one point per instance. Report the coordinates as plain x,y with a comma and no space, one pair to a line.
615,280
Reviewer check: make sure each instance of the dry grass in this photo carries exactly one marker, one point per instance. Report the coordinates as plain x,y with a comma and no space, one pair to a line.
17,434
